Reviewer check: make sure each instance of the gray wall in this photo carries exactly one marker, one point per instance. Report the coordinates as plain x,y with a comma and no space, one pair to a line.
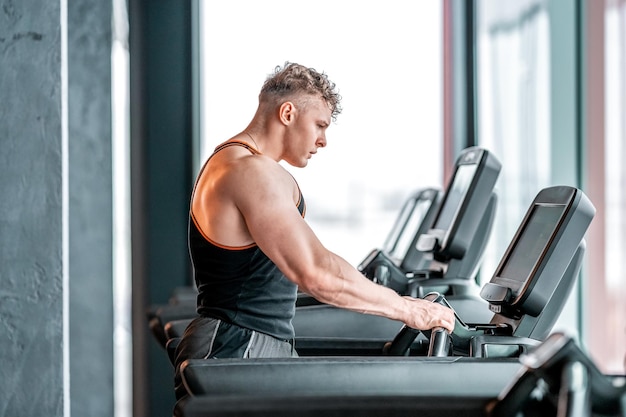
90,208
55,245
31,249
56,217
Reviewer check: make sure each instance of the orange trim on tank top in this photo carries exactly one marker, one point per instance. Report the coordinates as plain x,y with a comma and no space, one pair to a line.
256,152
219,245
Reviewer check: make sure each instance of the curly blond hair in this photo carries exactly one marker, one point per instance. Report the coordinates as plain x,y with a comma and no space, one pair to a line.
293,80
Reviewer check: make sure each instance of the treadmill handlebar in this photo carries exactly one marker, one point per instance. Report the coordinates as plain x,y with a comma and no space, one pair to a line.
400,345
440,343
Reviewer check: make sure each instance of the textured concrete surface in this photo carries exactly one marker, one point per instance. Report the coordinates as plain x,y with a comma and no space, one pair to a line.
30,210
31,207
90,207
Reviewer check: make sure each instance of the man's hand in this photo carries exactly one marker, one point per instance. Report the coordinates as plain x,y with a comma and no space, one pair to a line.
425,315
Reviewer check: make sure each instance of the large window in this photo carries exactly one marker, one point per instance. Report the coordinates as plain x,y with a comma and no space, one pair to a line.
513,98
386,60
605,157
516,101
551,82
613,355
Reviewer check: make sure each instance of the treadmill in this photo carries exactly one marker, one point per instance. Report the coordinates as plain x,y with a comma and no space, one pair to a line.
444,256
181,308
477,362
569,383
416,217
524,297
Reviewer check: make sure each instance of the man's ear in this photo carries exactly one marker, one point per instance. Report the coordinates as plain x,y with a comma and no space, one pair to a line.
287,112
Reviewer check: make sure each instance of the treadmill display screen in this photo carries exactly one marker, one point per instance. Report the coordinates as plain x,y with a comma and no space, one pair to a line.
532,243
457,192
410,229
398,227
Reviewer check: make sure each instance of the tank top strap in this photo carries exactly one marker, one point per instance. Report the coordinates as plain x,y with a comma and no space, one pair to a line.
236,143
300,204
219,148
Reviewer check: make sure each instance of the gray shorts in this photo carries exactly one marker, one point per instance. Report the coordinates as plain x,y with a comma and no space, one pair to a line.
209,338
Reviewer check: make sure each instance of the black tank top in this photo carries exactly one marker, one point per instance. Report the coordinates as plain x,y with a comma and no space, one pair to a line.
241,285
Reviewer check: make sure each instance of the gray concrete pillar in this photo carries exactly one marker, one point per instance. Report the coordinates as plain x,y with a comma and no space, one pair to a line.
55,209
90,208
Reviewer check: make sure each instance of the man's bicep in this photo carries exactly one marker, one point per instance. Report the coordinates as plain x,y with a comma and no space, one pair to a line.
275,224
284,236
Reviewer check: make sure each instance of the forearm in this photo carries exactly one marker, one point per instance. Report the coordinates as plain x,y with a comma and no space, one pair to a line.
332,280
341,285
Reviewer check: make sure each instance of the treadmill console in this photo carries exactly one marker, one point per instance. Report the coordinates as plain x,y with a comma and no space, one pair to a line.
463,205
456,227
416,217
539,253
569,378
530,285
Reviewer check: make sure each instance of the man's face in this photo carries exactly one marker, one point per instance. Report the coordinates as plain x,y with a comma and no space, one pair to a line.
308,131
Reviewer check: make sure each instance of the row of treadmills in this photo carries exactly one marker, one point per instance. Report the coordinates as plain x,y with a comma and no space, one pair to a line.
501,360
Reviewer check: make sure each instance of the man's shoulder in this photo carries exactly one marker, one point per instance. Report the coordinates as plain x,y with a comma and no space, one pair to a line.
259,165
256,171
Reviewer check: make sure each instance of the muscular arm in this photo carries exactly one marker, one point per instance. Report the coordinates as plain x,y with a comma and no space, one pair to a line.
266,200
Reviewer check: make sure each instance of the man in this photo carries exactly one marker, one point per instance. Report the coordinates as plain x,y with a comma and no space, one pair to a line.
250,245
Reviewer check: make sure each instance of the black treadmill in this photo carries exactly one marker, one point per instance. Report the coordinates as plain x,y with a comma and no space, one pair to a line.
415,217
444,256
446,252
181,308
554,378
524,297
525,294
570,383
